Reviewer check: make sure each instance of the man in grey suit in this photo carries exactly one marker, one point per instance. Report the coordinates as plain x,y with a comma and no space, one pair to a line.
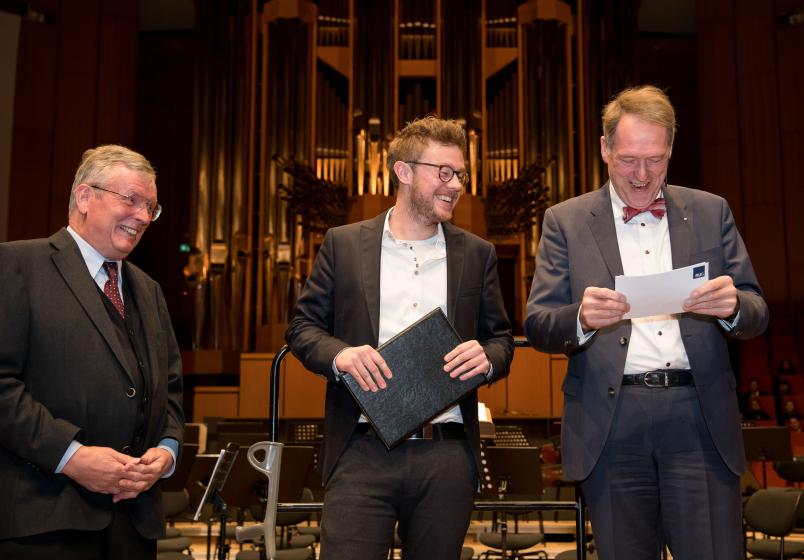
651,423
371,280
90,376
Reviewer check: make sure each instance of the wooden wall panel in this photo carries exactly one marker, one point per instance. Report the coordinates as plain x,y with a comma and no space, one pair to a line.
215,401
255,388
303,393
32,136
76,100
75,89
751,132
529,383
759,143
117,90
790,54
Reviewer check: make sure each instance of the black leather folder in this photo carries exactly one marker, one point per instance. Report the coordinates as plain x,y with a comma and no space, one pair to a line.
420,389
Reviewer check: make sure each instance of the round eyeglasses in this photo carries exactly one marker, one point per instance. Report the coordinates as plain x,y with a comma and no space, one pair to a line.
445,172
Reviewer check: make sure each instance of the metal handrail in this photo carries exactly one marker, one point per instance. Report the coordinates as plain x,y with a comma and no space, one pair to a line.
578,505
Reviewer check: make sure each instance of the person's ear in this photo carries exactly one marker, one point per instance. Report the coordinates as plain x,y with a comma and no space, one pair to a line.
83,192
604,149
404,172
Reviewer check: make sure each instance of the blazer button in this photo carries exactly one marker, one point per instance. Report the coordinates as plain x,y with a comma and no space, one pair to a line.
623,340
611,391
126,449
568,343
130,392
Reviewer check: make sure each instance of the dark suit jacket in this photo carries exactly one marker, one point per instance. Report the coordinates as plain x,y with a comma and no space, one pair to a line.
340,307
579,249
63,377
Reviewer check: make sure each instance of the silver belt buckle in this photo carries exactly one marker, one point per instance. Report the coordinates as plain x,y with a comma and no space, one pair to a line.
656,379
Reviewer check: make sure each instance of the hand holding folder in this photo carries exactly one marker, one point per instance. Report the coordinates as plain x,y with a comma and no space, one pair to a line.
420,389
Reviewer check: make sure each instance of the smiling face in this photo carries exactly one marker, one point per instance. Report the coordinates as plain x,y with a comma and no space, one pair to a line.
104,220
638,159
423,195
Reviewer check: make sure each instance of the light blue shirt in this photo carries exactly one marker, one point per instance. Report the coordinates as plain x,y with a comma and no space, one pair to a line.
94,261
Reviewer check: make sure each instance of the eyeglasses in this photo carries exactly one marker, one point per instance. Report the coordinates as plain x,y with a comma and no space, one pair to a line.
137,202
445,172
652,163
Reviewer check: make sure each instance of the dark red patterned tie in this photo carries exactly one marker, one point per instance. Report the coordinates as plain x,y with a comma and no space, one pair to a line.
657,208
110,288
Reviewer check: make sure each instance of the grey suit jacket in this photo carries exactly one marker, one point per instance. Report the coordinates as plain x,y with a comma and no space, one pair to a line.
63,376
340,307
578,249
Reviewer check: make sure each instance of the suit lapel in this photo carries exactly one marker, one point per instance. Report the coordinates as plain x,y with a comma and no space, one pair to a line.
456,244
370,247
601,222
73,269
679,222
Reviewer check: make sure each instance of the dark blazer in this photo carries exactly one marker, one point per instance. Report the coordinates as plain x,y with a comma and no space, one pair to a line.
340,307
63,377
578,249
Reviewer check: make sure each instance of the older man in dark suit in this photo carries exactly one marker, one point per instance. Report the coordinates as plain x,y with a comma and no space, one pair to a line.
371,280
90,386
651,422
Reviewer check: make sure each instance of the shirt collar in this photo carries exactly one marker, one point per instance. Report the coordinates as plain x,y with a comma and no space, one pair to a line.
438,240
92,258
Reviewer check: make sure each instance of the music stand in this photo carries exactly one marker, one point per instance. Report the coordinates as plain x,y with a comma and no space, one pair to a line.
767,443
213,491
511,473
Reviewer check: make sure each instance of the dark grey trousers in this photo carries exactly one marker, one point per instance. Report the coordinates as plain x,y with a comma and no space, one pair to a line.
427,486
660,480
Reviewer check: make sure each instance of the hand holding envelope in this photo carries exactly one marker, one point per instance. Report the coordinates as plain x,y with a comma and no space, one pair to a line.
661,294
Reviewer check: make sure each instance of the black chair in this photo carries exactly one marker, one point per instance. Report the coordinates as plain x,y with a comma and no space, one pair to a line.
773,512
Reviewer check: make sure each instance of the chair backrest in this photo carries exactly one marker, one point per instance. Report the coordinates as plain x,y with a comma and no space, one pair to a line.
791,471
773,512
175,503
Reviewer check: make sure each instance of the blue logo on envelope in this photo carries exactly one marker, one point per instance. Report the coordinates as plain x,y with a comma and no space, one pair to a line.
698,271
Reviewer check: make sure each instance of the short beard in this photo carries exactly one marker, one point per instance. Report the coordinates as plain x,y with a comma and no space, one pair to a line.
423,209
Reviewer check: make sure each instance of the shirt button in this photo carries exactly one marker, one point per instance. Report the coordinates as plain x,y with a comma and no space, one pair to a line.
415,272
130,392
647,252
660,333
667,364
642,224
415,305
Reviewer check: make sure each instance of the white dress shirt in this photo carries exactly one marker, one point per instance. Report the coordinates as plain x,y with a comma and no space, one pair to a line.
645,249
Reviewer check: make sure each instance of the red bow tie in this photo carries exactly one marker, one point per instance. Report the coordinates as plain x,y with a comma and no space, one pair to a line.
657,208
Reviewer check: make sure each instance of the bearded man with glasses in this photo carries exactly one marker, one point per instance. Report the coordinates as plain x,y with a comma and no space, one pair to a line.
90,376
370,281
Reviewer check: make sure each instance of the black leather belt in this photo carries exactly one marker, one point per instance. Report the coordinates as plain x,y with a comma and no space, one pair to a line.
660,378
437,432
